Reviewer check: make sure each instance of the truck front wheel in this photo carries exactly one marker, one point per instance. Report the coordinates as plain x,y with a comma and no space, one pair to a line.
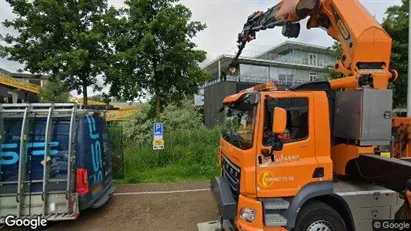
317,216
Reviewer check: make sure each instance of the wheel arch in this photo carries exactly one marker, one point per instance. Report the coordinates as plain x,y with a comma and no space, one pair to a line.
320,191
308,192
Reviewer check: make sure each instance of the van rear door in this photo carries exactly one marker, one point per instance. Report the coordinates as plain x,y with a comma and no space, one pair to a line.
37,161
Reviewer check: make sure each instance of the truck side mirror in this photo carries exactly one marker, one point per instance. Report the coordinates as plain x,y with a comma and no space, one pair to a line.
279,121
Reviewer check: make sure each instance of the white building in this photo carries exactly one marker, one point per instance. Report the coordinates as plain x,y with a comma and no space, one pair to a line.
286,64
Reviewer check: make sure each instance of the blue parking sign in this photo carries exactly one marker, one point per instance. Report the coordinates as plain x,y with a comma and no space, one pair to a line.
158,129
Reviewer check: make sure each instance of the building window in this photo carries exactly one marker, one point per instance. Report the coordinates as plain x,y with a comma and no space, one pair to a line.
285,79
313,76
313,59
254,73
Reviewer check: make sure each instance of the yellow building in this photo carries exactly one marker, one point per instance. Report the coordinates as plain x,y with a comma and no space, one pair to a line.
24,88
19,87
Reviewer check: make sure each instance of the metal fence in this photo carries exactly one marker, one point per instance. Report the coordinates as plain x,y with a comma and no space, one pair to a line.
117,152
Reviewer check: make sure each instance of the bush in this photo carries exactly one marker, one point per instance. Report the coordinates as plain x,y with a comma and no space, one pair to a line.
117,152
54,91
190,151
188,155
140,128
175,118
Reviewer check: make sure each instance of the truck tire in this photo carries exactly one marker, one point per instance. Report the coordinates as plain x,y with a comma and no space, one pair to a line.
318,216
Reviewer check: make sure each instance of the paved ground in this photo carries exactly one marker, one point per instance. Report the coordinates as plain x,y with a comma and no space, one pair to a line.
132,209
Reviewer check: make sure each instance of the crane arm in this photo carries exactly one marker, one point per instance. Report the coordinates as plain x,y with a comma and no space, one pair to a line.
366,45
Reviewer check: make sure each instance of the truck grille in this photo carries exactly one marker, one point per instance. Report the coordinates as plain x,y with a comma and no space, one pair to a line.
232,173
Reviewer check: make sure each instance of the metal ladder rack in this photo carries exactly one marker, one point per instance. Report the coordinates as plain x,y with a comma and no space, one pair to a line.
48,111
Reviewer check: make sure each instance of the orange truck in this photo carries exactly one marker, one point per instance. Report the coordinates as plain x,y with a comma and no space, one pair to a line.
322,155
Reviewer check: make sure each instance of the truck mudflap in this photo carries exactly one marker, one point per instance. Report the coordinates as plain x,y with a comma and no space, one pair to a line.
227,206
37,164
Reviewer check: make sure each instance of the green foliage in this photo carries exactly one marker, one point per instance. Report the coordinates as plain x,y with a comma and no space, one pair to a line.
188,155
101,98
117,150
54,91
154,52
190,148
181,117
190,151
337,52
176,117
396,24
140,128
64,38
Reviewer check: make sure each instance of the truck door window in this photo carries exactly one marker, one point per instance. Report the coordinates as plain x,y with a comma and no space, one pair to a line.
297,118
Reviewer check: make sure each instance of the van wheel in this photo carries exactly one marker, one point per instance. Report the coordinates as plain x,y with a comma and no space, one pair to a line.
317,216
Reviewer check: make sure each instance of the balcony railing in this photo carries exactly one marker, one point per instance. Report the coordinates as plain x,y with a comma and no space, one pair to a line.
254,79
297,60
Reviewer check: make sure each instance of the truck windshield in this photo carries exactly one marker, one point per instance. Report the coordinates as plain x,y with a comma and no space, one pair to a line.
239,125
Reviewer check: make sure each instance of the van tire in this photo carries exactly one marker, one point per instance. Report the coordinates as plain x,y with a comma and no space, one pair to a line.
317,215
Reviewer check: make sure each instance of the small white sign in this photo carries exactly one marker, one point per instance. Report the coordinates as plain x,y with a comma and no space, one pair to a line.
158,144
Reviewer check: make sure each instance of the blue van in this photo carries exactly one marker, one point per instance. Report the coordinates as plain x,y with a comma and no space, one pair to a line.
55,160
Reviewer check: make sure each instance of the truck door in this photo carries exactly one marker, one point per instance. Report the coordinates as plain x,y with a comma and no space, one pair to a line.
284,172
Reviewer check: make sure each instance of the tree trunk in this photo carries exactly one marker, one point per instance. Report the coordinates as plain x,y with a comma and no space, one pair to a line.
158,105
85,94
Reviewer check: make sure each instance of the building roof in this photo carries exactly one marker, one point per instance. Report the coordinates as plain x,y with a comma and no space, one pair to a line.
23,75
287,45
225,61
257,60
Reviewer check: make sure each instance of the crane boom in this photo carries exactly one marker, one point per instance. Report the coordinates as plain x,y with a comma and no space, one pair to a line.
366,45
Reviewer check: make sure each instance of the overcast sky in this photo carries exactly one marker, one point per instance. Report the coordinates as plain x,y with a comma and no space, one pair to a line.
224,19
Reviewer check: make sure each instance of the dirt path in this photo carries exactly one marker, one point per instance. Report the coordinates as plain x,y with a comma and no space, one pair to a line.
179,211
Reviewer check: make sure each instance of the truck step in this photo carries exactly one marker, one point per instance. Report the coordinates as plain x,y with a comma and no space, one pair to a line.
275,220
275,204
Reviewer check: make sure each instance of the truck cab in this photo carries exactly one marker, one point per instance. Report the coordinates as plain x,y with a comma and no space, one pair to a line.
277,168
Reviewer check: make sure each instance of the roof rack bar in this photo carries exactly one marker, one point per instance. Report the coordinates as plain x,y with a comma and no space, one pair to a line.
69,157
38,116
47,141
34,110
22,160
2,136
39,104
32,182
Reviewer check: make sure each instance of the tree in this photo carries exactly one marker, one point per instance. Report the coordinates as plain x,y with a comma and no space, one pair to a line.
337,51
396,24
101,98
54,91
154,52
61,38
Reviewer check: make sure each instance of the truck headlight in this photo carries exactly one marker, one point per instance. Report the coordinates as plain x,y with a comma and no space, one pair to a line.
248,214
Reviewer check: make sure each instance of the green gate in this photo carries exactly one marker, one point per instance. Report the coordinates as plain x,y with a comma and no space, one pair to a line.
117,153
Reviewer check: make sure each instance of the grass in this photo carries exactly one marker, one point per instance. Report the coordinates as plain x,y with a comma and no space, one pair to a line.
187,156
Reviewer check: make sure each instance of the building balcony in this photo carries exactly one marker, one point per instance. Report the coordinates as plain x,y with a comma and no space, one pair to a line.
254,79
